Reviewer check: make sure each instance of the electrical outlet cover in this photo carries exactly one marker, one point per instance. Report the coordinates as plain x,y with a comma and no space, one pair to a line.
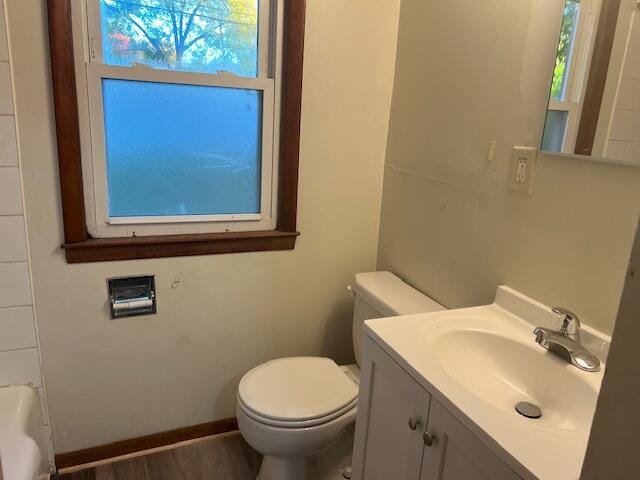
523,161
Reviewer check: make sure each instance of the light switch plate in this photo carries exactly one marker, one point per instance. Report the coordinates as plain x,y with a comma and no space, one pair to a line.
523,162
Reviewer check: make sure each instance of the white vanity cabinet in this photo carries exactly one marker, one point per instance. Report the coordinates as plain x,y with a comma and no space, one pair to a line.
456,453
402,433
392,414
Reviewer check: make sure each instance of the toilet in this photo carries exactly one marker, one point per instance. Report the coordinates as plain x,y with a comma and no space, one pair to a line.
290,409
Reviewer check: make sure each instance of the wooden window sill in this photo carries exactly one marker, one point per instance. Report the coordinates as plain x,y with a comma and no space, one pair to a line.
134,248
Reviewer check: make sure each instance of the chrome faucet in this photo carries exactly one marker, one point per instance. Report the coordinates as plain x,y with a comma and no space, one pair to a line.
570,326
565,342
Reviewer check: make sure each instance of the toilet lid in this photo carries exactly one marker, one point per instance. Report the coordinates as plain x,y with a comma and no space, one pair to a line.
298,388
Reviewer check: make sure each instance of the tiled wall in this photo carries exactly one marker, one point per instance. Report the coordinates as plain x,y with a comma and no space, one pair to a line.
19,357
624,139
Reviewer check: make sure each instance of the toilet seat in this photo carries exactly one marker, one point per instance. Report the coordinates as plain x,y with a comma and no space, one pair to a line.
297,392
296,423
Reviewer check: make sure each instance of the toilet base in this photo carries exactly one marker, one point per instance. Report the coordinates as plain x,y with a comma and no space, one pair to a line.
325,465
284,468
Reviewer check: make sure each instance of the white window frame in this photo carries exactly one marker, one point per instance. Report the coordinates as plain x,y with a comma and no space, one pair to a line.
579,64
90,71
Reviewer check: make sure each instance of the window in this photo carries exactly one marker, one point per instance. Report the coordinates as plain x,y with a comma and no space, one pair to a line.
577,37
181,112
173,131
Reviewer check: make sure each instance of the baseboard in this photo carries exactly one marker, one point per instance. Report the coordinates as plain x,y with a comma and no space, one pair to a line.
126,447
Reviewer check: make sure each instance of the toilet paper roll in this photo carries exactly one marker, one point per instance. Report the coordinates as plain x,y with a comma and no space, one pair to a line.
132,305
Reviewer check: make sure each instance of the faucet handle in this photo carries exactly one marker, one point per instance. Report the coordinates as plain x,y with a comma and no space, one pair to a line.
570,321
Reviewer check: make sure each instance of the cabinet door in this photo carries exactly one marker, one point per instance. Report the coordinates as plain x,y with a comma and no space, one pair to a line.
456,453
392,414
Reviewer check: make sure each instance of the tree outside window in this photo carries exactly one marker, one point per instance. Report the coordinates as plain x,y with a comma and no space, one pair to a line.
570,20
208,36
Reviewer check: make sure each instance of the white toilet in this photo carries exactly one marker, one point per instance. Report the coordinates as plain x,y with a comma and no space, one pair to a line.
292,408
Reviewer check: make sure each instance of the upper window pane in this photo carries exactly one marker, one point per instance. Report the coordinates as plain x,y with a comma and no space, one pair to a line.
570,20
205,36
182,149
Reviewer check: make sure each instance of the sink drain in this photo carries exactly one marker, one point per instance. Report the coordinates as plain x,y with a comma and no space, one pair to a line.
529,410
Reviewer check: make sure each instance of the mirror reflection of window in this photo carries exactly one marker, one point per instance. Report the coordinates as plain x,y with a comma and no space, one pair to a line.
623,139
570,75
594,104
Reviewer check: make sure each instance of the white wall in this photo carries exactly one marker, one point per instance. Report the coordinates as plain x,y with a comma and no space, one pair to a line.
218,316
19,357
472,72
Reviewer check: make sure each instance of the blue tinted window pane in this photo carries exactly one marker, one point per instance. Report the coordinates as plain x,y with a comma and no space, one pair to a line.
554,130
189,35
181,149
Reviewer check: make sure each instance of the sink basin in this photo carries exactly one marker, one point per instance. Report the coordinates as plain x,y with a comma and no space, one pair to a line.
503,372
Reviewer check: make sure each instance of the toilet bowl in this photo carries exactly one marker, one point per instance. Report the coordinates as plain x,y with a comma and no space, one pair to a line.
290,409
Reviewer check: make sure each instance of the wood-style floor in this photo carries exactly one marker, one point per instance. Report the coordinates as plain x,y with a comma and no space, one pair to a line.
225,457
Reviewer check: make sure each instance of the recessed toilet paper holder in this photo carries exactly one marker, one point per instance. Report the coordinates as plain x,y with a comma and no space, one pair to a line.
132,296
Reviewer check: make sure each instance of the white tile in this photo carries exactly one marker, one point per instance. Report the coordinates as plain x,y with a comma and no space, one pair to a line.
14,284
632,62
8,144
616,150
635,33
629,94
13,244
621,125
10,196
4,49
633,152
17,328
20,367
6,94
634,130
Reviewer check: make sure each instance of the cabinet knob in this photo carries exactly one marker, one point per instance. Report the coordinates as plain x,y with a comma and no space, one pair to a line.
413,423
428,438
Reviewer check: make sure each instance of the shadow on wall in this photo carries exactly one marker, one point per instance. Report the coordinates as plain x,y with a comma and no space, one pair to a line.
337,337
226,396
336,343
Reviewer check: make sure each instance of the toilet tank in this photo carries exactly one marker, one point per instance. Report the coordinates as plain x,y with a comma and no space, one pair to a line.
382,294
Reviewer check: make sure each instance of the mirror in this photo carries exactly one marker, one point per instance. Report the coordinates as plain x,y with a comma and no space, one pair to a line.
594,105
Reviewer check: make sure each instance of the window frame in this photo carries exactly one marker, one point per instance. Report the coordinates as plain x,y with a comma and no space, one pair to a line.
91,70
597,79
81,246
573,95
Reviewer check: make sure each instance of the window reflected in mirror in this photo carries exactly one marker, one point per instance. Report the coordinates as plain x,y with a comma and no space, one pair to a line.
594,103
